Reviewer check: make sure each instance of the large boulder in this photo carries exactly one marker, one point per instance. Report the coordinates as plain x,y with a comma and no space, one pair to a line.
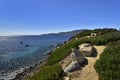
74,65
77,56
67,78
94,34
86,49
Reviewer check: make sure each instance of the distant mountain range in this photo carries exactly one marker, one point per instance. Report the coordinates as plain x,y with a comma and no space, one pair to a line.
69,33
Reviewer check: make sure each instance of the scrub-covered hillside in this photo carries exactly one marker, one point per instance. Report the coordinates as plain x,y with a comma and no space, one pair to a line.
107,66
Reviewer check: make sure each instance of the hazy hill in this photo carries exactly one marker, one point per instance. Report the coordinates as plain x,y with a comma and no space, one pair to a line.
69,33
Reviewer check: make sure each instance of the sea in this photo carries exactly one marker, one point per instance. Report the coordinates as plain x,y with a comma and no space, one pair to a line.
18,52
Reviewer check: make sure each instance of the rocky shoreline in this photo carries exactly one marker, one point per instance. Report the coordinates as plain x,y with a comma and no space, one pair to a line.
20,73
27,71
23,73
37,66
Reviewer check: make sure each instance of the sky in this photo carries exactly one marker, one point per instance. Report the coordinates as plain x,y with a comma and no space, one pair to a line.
34,17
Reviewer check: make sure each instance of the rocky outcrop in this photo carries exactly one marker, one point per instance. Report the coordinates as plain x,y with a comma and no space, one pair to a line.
86,49
74,65
76,58
67,78
94,34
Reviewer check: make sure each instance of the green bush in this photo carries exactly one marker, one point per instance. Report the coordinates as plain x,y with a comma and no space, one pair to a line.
88,32
108,66
53,72
104,39
63,51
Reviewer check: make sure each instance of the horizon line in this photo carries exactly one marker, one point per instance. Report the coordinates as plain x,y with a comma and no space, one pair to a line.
52,32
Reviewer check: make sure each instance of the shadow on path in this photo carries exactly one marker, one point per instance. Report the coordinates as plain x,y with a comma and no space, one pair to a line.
85,62
94,53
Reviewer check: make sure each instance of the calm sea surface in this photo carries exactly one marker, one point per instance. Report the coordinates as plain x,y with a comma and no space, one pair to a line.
21,51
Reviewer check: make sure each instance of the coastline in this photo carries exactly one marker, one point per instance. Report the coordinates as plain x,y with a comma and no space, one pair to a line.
42,67
22,72
30,70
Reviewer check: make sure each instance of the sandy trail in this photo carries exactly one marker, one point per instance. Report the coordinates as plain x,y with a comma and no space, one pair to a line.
88,72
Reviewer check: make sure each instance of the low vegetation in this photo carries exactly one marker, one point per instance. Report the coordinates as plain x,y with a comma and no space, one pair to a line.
63,51
53,71
88,32
108,66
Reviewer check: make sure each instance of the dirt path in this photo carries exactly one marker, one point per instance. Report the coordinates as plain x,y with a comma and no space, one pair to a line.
88,72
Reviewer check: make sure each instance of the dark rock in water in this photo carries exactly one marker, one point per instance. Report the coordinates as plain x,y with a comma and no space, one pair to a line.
65,42
19,76
49,53
58,45
27,45
2,73
36,64
21,42
40,61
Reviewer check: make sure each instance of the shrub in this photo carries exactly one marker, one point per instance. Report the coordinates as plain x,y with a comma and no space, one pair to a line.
63,51
88,32
104,39
108,66
53,72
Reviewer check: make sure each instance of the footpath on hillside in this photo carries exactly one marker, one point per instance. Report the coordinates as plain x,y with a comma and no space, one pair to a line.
88,72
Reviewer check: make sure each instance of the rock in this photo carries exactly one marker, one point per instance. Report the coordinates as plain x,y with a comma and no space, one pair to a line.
66,42
74,65
86,49
21,42
49,53
94,34
77,56
58,45
2,72
26,45
66,78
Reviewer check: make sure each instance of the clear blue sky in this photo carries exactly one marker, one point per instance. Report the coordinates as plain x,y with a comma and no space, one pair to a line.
18,17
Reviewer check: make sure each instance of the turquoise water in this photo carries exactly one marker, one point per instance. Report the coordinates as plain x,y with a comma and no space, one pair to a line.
22,53
14,54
